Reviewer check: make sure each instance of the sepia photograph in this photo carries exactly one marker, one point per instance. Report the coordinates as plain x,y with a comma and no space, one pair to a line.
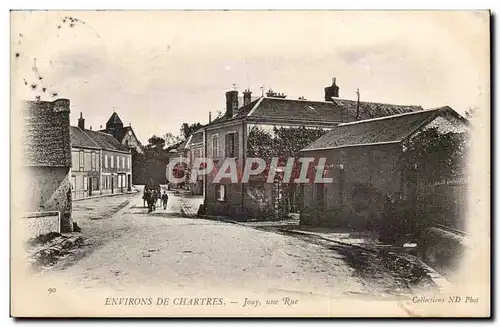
250,163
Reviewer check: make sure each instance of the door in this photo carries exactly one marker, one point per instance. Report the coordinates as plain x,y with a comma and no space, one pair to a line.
112,184
129,187
90,186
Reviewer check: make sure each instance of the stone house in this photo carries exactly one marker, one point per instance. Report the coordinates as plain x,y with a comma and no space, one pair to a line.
228,137
100,163
364,160
45,184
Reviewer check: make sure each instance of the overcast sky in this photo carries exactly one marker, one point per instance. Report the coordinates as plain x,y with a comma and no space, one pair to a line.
160,69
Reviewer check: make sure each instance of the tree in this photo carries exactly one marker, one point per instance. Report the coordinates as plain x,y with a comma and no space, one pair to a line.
156,142
171,140
472,112
187,129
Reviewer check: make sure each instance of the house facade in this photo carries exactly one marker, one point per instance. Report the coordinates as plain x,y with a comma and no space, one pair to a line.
232,136
100,164
367,164
45,181
196,146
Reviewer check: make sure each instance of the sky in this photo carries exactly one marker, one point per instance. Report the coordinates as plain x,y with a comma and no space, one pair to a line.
159,69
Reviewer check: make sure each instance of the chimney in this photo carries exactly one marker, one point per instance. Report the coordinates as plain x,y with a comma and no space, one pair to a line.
273,94
231,103
90,127
81,122
332,91
247,97
209,117
100,127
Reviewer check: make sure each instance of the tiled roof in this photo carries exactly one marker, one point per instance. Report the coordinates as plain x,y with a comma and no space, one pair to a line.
379,130
80,139
369,110
46,133
317,111
85,138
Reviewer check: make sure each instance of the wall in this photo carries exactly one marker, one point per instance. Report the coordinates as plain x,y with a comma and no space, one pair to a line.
49,189
47,159
362,176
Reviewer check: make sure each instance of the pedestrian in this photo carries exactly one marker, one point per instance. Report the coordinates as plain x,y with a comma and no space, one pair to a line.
164,199
154,197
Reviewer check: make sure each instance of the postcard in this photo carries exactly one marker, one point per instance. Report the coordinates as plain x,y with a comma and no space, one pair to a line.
250,164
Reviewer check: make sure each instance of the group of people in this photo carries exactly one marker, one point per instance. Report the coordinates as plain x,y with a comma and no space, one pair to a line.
153,196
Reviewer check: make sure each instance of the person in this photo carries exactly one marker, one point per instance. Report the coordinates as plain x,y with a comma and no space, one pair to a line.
154,197
164,199
148,197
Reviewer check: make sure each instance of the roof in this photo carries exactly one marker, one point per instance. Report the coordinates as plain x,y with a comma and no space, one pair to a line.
368,110
46,133
122,132
114,120
85,138
333,111
391,129
197,136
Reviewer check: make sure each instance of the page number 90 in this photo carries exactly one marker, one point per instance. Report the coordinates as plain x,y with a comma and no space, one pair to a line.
51,290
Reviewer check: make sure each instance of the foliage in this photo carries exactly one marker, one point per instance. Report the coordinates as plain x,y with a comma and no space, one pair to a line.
436,156
282,143
187,129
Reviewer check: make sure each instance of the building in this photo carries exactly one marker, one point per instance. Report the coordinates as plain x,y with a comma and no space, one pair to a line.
47,160
100,164
365,160
124,134
196,146
232,136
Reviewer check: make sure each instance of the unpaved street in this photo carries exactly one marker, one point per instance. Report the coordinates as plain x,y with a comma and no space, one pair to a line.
132,249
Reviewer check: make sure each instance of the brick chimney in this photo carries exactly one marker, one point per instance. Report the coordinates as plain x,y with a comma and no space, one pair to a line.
231,103
81,122
247,97
332,91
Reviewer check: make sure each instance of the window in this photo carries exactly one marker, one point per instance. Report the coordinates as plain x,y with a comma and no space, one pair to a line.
85,183
230,145
123,162
81,161
117,162
128,162
221,192
93,163
105,161
215,146
112,162
73,183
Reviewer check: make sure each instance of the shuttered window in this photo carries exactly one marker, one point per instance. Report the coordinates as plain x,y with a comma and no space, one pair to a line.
231,145
215,146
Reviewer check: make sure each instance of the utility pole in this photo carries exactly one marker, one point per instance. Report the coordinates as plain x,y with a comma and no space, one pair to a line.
357,105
